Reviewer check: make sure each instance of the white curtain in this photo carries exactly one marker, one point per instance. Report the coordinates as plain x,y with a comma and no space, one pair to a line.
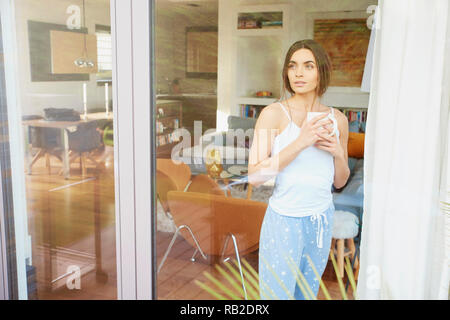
404,247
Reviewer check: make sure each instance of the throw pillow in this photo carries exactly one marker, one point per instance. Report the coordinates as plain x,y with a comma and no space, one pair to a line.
355,146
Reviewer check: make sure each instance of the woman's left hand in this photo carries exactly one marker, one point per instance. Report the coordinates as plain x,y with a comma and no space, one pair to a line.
330,144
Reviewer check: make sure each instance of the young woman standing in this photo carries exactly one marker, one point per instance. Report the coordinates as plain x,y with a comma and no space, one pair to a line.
304,144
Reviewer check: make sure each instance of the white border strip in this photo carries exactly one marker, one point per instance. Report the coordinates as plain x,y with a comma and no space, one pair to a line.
130,30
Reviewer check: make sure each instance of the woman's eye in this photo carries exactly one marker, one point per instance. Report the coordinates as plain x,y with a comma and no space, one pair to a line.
291,66
310,66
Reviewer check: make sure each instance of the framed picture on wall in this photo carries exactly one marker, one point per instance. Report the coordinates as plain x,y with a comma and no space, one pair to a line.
345,36
201,52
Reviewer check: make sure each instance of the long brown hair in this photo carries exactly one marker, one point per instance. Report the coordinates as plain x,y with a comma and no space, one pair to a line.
323,64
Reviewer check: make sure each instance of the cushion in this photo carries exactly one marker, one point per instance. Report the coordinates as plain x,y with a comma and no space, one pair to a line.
244,123
345,225
353,126
351,164
363,126
235,122
355,146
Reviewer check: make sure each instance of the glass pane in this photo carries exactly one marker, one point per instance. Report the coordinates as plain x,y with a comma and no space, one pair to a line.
217,68
65,102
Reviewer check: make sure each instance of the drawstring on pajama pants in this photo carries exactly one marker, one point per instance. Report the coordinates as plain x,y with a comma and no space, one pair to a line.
318,216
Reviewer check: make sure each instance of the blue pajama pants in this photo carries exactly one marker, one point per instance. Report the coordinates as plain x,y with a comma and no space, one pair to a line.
285,243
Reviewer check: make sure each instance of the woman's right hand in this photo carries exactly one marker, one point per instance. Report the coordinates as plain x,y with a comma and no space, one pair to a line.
308,133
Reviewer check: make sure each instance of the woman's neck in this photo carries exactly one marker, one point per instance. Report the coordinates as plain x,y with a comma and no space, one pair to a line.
306,101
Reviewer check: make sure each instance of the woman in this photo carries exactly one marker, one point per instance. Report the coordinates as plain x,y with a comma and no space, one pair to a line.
304,144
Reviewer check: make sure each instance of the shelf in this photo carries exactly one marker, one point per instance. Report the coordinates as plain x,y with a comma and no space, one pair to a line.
264,101
260,32
168,117
169,131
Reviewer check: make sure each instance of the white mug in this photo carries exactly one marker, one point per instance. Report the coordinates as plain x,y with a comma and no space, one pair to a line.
313,114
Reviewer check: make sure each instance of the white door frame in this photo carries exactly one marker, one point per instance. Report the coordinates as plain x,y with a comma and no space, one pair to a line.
4,288
131,22
18,288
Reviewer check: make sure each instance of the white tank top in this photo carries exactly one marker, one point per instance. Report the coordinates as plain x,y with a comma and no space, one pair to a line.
303,187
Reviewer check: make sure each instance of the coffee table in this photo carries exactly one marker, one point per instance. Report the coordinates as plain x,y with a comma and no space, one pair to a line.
231,158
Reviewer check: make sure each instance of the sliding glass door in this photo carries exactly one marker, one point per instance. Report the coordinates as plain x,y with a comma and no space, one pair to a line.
75,149
217,65
58,121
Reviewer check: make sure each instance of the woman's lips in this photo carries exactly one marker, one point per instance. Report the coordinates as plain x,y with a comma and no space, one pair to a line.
299,83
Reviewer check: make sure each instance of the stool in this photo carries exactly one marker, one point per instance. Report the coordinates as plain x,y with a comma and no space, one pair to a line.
345,227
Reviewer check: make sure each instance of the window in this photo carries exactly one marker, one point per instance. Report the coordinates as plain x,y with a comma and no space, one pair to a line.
104,53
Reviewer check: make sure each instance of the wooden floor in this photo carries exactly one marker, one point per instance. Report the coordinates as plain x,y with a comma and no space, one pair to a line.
177,277
67,219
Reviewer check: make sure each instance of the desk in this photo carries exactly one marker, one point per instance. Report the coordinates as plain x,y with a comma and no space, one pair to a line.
63,126
99,116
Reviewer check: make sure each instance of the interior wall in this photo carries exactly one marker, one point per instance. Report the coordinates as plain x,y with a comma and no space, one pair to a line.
35,96
296,30
170,49
171,22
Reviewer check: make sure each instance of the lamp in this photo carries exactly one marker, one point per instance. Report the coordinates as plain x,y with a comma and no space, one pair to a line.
84,61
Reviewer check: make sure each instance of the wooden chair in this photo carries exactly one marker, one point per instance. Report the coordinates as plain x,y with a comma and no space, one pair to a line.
83,142
200,183
171,176
48,143
207,222
164,184
205,184
179,173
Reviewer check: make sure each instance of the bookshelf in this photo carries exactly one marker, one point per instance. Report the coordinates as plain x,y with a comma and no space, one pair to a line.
252,57
254,44
169,115
357,117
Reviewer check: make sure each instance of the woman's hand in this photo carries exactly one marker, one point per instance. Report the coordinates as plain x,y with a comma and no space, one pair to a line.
330,144
311,131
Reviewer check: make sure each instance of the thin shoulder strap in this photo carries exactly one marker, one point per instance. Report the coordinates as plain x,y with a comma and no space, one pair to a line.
285,111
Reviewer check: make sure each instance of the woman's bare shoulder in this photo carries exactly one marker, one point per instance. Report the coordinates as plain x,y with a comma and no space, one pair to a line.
269,116
340,116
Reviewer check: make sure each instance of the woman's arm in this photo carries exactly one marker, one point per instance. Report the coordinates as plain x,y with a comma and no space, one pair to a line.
338,150
262,166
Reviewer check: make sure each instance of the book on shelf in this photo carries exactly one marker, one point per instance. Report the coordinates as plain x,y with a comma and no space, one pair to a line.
245,23
356,116
271,24
166,139
251,111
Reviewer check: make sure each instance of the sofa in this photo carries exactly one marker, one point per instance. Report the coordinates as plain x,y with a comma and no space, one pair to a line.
234,123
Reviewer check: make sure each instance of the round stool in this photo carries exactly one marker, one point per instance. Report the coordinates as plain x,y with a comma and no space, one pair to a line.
345,226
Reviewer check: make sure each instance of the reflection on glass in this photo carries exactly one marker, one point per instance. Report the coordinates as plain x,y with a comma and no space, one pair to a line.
213,163
208,216
204,217
68,130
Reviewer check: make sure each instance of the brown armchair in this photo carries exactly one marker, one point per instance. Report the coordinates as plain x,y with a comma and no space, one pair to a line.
207,222
177,177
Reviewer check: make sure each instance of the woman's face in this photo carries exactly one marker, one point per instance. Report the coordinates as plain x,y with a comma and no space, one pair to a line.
302,71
